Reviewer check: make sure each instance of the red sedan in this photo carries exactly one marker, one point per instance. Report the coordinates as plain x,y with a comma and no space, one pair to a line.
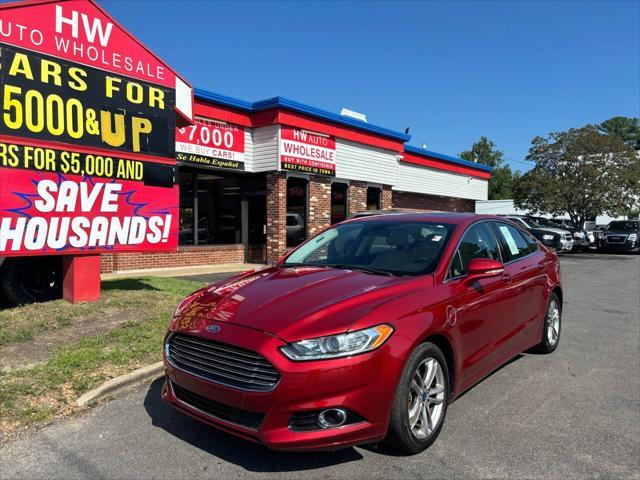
364,333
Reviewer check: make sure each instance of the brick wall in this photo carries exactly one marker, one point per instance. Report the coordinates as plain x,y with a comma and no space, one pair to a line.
432,202
276,216
106,263
319,207
357,196
186,256
386,198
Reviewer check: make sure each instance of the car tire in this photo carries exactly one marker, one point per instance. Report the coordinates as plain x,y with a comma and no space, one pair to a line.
402,435
551,326
31,279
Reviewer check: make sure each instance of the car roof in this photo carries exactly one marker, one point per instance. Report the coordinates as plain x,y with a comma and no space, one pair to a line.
455,218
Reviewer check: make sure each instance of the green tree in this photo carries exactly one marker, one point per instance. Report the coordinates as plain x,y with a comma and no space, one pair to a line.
625,128
484,151
581,172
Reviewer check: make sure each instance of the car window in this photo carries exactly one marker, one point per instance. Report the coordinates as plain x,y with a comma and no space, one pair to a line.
531,240
478,242
625,226
514,244
396,247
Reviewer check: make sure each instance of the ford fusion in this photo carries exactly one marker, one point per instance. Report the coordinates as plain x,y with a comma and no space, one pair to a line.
364,333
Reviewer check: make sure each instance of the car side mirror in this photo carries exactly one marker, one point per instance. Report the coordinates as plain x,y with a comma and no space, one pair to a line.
484,268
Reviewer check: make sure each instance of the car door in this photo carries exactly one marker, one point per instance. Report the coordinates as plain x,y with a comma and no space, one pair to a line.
479,308
524,263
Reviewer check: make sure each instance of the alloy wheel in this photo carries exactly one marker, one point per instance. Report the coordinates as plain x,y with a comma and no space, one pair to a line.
426,398
553,323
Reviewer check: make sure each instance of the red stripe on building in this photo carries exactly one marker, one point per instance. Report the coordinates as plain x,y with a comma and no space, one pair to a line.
442,165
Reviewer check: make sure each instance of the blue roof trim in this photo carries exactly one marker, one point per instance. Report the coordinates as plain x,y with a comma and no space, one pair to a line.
446,158
223,99
281,102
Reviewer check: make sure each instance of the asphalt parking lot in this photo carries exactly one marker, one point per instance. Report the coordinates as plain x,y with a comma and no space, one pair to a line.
575,413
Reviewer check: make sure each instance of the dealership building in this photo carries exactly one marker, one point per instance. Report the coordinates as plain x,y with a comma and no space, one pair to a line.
256,178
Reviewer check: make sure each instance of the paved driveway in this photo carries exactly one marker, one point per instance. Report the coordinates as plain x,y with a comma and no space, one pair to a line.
575,413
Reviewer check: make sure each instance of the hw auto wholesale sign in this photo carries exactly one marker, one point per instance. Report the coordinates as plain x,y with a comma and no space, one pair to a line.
304,151
211,144
87,129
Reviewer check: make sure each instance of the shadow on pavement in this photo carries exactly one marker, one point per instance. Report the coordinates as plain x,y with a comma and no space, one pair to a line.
595,255
252,457
209,277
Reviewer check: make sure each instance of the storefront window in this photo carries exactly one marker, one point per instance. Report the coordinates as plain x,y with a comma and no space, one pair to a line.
338,202
296,211
373,198
213,200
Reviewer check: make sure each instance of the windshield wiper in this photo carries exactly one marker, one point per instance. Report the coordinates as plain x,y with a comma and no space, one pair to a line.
361,268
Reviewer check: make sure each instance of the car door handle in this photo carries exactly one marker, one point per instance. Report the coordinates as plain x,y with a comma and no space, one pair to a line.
507,278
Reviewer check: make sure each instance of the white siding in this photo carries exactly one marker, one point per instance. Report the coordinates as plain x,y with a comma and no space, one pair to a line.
248,149
418,179
365,163
265,148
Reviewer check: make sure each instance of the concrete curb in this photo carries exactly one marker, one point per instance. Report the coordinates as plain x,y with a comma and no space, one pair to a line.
121,383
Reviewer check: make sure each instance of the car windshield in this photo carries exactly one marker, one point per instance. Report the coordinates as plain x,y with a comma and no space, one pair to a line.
376,246
623,226
538,222
546,222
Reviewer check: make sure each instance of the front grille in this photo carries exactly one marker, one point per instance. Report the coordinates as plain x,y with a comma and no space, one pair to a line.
218,410
222,363
616,239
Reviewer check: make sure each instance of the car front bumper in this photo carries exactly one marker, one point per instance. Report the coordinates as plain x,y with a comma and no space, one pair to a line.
363,384
566,245
580,242
628,246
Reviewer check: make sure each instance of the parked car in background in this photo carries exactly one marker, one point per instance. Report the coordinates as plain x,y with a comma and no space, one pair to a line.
620,236
579,235
364,333
558,239
548,239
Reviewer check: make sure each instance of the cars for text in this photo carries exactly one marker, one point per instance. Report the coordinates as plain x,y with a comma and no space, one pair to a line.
365,332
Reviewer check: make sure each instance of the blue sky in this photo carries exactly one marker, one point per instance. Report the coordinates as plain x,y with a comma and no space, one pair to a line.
451,71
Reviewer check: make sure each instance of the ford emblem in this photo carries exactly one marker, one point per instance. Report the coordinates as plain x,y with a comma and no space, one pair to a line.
213,328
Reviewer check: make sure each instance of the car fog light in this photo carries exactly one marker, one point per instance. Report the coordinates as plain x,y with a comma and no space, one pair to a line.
332,417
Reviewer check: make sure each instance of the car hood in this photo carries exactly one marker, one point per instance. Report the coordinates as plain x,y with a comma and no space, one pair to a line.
291,303
559,231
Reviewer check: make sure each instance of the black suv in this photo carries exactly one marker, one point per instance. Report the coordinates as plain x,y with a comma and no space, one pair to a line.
620,236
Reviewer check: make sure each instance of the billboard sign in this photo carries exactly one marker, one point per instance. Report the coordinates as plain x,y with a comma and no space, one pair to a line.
87,134
305,151
211,144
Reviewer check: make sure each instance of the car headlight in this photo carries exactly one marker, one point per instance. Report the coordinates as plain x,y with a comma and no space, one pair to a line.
546,236
335,346
633,237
